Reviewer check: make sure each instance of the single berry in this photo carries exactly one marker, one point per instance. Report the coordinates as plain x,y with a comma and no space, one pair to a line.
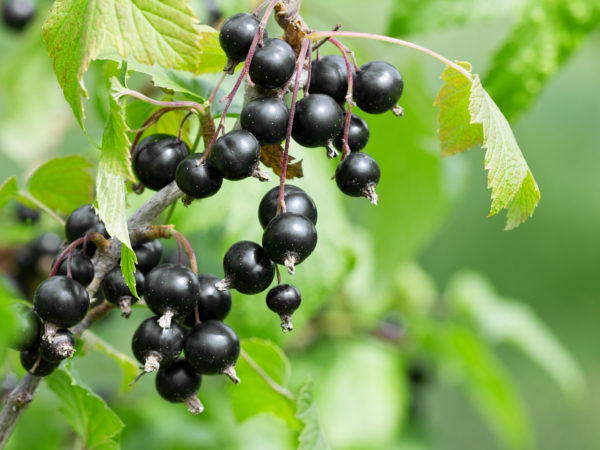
179,383
289,239
155,346
247,268
212,304
156,158
82,221
27,215
266,118
148,254
273,64
317,120
117,292
29,256
198,179
18,13
212,347
82,269
33,363
296,201
284,299
329,76
358,175
236,35
171,290
377,87
59,347
358,135
61,301
28,329
236,154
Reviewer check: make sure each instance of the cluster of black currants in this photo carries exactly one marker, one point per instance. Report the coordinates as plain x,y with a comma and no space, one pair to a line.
17,14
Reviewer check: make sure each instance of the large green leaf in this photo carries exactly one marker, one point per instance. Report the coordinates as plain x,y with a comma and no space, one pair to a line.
86,412
151,31
311,437
504,320
63,184
546,35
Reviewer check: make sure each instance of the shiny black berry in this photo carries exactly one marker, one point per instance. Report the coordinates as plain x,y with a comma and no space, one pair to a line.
156,158
82,221
289,239
27,215
198,179
31,358
236,154
212,304
212,347
179,383
148,254
273,64
377,87
247,268
329,76
236,35
117,292
61,301
58,347
155,346
17,14
317,120
284,299
358,175
82,269
171,290
28,329
358,135
266,118
296,201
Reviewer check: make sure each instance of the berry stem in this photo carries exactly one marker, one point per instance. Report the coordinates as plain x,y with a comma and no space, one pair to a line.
349,100
325,39
70,248
183,104
288,134
378,37
180,238
278,274
216,88
187,116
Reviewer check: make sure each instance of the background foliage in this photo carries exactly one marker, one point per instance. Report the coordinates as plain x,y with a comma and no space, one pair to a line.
424,280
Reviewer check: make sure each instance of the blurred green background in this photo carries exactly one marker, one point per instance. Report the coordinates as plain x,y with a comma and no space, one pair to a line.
407,328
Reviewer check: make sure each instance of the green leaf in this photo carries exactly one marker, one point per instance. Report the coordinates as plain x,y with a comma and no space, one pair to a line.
510,321
261,360
86,412
63,184
151,31
128,261
311,436
8,191
547,33
8,324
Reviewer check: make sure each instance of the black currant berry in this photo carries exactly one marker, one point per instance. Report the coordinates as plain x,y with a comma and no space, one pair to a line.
247,268
59,347
358,175
156,158
296,201
82,269
212,304
329,76
155,346
117,292
236,154
31,358
377,87
171,290
317,120
273,64
289,239
236,35
29,256
28,329
18,13
61,301
27,215
212,348
179,383
358,135
148,254
266,118
284,299
82,221
198,180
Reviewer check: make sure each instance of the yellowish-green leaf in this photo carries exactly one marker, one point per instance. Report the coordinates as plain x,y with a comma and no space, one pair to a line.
128,261
8,190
